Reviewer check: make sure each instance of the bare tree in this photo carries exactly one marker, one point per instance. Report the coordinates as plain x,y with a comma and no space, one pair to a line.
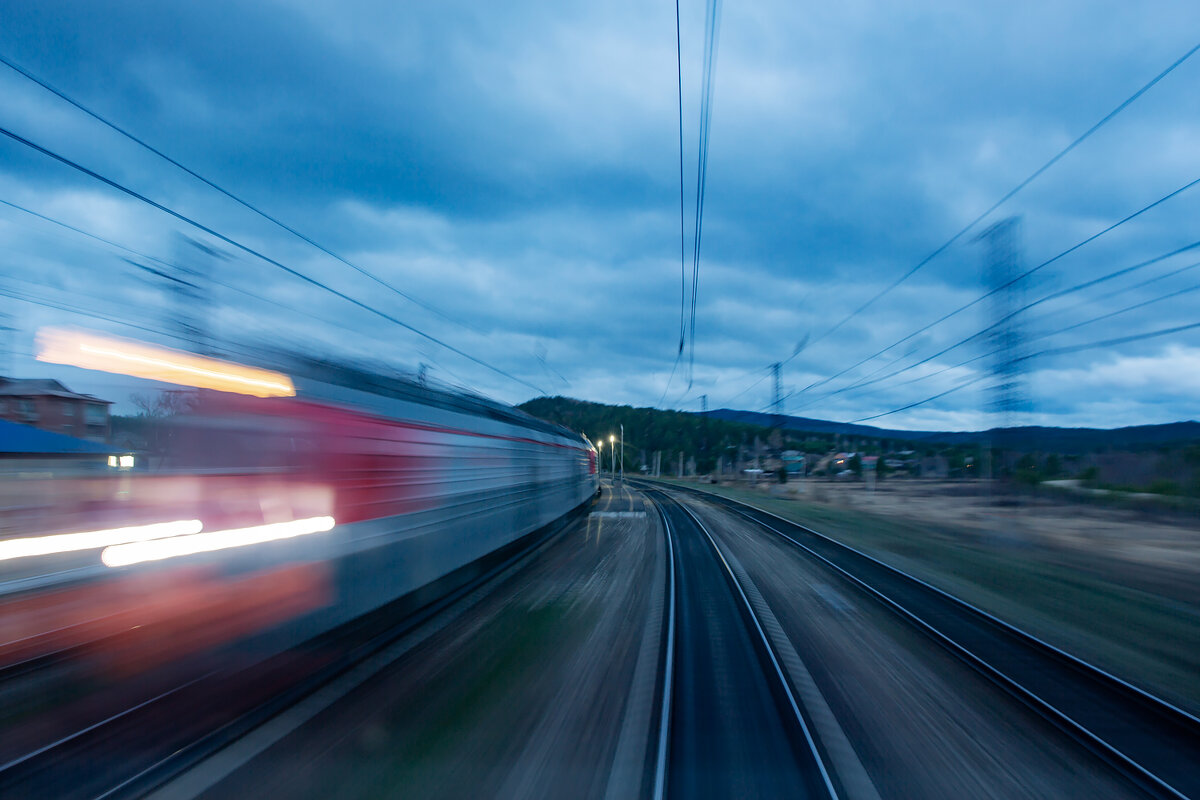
155,411
167,403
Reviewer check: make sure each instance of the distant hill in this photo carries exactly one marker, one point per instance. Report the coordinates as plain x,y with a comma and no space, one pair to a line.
654,429
1062,440
648,430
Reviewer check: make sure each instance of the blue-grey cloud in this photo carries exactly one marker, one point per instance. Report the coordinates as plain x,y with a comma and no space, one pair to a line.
516,166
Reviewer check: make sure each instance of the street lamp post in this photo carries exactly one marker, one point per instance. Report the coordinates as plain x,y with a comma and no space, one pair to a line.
600,457
622,453
612,440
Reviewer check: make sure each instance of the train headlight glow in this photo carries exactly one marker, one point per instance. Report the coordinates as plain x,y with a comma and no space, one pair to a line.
68,542
125,357
121,555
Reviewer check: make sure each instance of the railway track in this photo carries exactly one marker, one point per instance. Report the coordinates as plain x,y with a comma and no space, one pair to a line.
730,724
1152,742
727,719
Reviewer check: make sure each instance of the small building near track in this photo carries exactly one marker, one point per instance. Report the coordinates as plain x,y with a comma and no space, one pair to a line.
46,404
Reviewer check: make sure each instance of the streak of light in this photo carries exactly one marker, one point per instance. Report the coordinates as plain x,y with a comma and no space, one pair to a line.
68,542
121,555
125,357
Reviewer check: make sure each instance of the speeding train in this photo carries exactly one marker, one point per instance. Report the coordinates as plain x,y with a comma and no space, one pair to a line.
305,512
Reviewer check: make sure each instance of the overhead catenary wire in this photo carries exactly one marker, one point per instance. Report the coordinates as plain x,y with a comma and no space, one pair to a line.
227,193
670,377
712,25
687,334
682,234
682,231
251,251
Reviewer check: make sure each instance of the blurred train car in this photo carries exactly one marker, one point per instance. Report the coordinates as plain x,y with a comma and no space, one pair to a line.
314,509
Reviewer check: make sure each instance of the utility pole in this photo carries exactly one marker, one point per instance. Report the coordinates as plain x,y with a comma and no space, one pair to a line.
7,347
190,287
777,403
1009,361
777,407
622,453
1007,338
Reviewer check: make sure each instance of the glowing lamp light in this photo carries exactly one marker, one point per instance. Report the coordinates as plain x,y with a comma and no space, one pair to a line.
88,540
120,555
126,357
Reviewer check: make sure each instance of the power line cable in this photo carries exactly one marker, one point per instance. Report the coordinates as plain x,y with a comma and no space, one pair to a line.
1060,331
1012,192
233,243
1005,198
1126,309
1006,285
1127,289
122,320
1088,284
86,312
1137,337
766,374
169,265
979,334
245,204
937,396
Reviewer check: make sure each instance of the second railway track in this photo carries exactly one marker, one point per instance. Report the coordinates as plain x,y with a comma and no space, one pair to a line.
735,728
1152,742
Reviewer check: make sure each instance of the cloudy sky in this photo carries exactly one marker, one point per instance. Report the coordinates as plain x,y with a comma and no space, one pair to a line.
513,168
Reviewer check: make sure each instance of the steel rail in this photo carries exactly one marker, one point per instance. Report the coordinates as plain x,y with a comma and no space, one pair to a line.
1112,753
772,659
